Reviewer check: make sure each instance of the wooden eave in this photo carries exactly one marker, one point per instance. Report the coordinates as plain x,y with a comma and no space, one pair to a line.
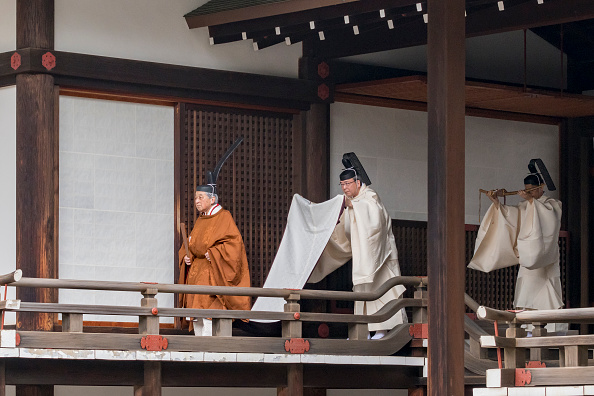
331,37
230,14
411,92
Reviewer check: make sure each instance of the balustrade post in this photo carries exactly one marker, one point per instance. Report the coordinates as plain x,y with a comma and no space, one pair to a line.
419,314
292,328
148,324
72,323
222,327
539,354
514,357
573,356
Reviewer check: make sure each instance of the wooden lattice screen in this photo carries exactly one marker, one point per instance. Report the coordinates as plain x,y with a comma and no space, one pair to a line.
255,184
494,289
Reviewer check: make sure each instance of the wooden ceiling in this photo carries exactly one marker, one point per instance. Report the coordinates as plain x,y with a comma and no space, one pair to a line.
411,92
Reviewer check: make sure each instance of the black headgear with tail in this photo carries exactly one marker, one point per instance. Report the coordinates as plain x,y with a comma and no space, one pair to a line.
352,168
212,176
539,174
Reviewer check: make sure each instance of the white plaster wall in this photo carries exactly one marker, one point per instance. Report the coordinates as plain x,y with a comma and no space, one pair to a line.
7,25
154,30
392,146
116,198
8,190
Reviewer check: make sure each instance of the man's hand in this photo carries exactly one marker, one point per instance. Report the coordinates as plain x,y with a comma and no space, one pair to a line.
187,260
493,194
525,195
348,203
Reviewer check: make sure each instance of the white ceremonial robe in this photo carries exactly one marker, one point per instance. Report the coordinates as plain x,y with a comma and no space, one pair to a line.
527,235
364,234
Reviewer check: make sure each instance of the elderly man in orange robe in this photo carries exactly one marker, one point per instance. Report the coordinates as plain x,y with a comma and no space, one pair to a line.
218,256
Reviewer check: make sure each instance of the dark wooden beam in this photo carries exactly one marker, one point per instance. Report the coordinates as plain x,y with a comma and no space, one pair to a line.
484,22
163,82
195,20
319,10
528,15
21,371
445,231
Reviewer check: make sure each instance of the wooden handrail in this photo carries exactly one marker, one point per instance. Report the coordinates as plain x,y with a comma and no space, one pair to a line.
471,303
217,290
382,315
487,313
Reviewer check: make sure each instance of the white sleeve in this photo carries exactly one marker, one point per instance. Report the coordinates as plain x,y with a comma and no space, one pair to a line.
495,245
538,238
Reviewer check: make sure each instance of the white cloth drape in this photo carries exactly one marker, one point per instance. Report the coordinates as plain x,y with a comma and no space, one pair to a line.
308,230
527,235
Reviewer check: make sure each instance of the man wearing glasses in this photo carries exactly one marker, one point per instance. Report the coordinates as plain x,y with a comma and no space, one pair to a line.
363,233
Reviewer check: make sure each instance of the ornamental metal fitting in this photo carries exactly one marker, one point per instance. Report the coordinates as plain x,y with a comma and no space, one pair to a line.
154,342
297,345
523,377
323,70
419,330
15,60
323,91
48,60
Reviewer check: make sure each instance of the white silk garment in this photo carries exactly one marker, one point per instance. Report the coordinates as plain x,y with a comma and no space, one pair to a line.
364,234
527,235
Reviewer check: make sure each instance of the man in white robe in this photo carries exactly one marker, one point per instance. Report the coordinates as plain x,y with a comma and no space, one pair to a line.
364,233
527,235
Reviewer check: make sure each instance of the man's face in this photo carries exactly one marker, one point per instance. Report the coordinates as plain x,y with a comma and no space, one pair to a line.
203,202
350,187
534,193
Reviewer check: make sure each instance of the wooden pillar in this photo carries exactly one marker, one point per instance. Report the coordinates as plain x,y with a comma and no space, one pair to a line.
576,194
445,251
36,171
2,377
294,381
152,380
316,129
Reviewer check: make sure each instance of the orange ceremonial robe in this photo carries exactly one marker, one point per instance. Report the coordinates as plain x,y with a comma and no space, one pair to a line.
218,235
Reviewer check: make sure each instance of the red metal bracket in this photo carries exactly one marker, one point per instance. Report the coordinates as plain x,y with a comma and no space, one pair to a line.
48,60
523,377
323,70
15,63
153,342
297,345
419,330
323,91
17,340
535,364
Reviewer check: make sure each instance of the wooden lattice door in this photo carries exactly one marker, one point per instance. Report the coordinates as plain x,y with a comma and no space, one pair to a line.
255,184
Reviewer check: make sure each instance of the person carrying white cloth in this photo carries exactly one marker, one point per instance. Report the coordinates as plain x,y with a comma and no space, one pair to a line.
528,235
363,233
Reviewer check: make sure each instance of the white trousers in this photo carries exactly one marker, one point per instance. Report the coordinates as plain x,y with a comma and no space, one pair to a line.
203,327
